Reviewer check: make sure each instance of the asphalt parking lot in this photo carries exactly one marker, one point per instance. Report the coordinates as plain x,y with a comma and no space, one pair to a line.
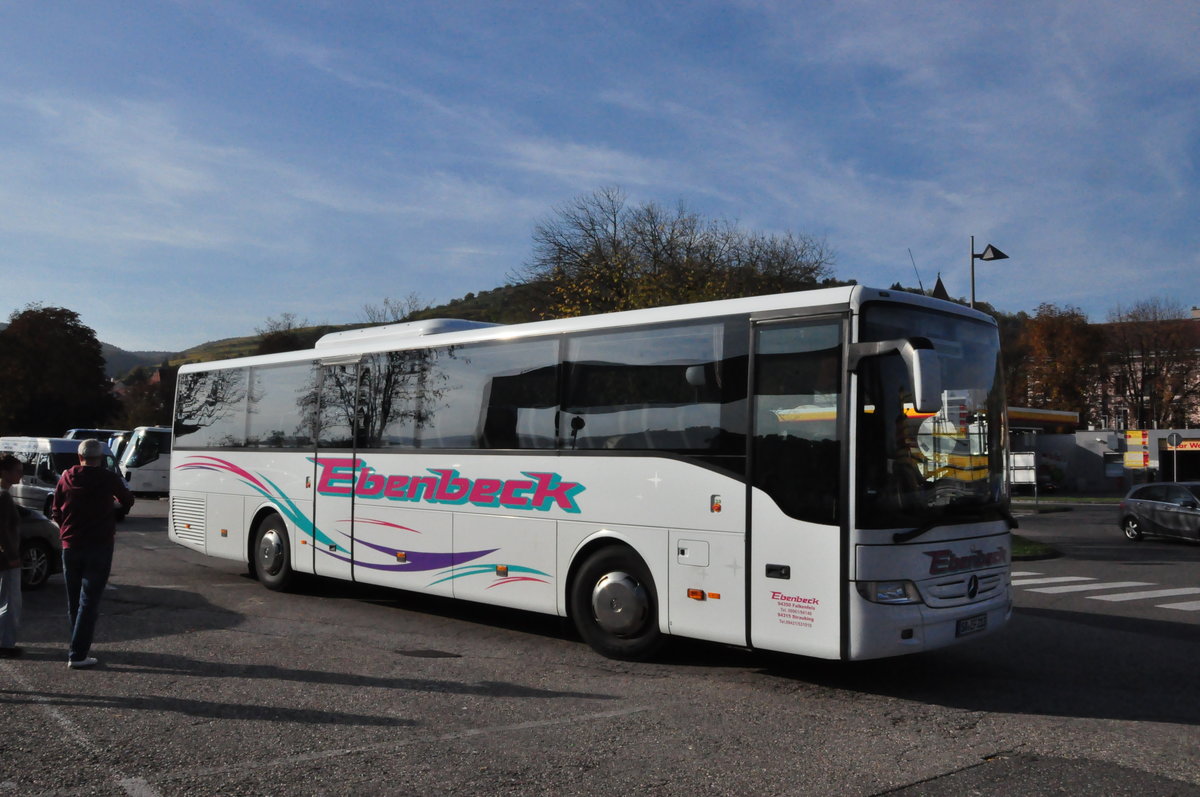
211,684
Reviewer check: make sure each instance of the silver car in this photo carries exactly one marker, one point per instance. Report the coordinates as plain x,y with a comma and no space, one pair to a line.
41,548
1166,509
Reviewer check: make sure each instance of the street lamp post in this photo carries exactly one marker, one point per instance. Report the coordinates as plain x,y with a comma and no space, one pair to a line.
990,253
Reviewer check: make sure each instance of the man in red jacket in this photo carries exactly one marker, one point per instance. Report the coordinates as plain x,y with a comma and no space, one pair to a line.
83,509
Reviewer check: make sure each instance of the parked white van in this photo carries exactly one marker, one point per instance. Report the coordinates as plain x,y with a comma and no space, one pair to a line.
44,460
146,460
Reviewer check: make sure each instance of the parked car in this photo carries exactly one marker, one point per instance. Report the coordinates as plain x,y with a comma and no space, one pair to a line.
44,460
1167,509
41,548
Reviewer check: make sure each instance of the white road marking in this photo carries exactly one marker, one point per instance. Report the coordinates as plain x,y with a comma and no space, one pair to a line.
134,787
1190,606
1086,587
1148,594
1049,580
320,755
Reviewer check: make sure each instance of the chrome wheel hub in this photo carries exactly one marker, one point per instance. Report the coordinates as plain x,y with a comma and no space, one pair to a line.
619,603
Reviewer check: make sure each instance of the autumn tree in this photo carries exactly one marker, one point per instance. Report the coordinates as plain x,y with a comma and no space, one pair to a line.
147,398
1062,353
1153,353
52,370
599,254
1015,356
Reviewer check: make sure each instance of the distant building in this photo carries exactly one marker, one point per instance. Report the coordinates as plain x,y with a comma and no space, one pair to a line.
1150,374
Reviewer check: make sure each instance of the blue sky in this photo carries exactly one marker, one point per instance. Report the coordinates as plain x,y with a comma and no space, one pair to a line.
178,172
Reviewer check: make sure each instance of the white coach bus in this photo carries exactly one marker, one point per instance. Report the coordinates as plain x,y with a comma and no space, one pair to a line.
146,460
819,473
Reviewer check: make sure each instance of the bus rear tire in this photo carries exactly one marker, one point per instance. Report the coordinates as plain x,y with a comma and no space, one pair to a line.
615,607
272,554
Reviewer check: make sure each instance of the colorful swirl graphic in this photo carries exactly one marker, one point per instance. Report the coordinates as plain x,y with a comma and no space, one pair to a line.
450,564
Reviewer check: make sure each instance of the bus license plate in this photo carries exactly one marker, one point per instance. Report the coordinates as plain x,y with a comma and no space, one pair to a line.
971,625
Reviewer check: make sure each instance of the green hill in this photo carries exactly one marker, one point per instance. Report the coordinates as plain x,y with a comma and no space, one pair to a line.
508,304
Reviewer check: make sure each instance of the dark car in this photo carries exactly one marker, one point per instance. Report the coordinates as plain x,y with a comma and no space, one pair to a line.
1167,509
41,548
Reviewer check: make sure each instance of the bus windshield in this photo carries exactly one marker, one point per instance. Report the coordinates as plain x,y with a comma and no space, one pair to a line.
921,468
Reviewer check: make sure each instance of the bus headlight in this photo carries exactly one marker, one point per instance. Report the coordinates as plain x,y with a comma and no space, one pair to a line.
889,591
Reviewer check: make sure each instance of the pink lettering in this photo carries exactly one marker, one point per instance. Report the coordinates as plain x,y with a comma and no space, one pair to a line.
451,489
396,488
415,485
370,484
551,489
509,496
333,472
486,491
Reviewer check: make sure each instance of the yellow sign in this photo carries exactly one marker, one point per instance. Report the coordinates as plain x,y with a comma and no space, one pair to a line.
1185,445
1137,459
1137,450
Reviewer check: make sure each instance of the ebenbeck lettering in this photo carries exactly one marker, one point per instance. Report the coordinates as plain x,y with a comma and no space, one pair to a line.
539,491
779,596
946,561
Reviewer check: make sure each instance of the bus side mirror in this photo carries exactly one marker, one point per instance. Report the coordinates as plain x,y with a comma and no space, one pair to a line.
921,360
926,375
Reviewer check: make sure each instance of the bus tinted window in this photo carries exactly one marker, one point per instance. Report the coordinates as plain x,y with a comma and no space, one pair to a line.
210,409
280,414
674,388
335,406
475,396
517,389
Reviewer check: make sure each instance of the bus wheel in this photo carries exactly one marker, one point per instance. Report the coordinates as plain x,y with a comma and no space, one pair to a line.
614,605
272,554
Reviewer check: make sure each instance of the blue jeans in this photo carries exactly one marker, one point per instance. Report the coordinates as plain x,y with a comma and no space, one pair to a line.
86,573
10,606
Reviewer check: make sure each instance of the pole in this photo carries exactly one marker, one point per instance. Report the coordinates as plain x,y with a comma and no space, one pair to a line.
972,271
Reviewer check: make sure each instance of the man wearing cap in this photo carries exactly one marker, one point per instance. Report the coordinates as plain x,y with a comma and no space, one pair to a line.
87,523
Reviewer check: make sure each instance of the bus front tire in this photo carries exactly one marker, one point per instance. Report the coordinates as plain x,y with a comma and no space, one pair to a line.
272,554
615,607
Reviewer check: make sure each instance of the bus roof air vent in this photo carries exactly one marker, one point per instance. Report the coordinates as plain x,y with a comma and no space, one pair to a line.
407,329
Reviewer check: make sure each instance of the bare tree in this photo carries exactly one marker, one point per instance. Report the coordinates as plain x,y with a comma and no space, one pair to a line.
391,311
281,334
1154,351
599,254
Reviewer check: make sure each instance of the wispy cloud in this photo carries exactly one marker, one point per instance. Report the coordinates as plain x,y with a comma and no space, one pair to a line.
343,153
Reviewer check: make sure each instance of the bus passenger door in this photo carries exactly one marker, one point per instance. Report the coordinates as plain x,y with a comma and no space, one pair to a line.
331,538
796,567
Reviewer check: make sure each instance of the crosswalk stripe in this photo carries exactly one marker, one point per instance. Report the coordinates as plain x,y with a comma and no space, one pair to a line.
1190,606
1086,587
1021,574
1153,593
1056,580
